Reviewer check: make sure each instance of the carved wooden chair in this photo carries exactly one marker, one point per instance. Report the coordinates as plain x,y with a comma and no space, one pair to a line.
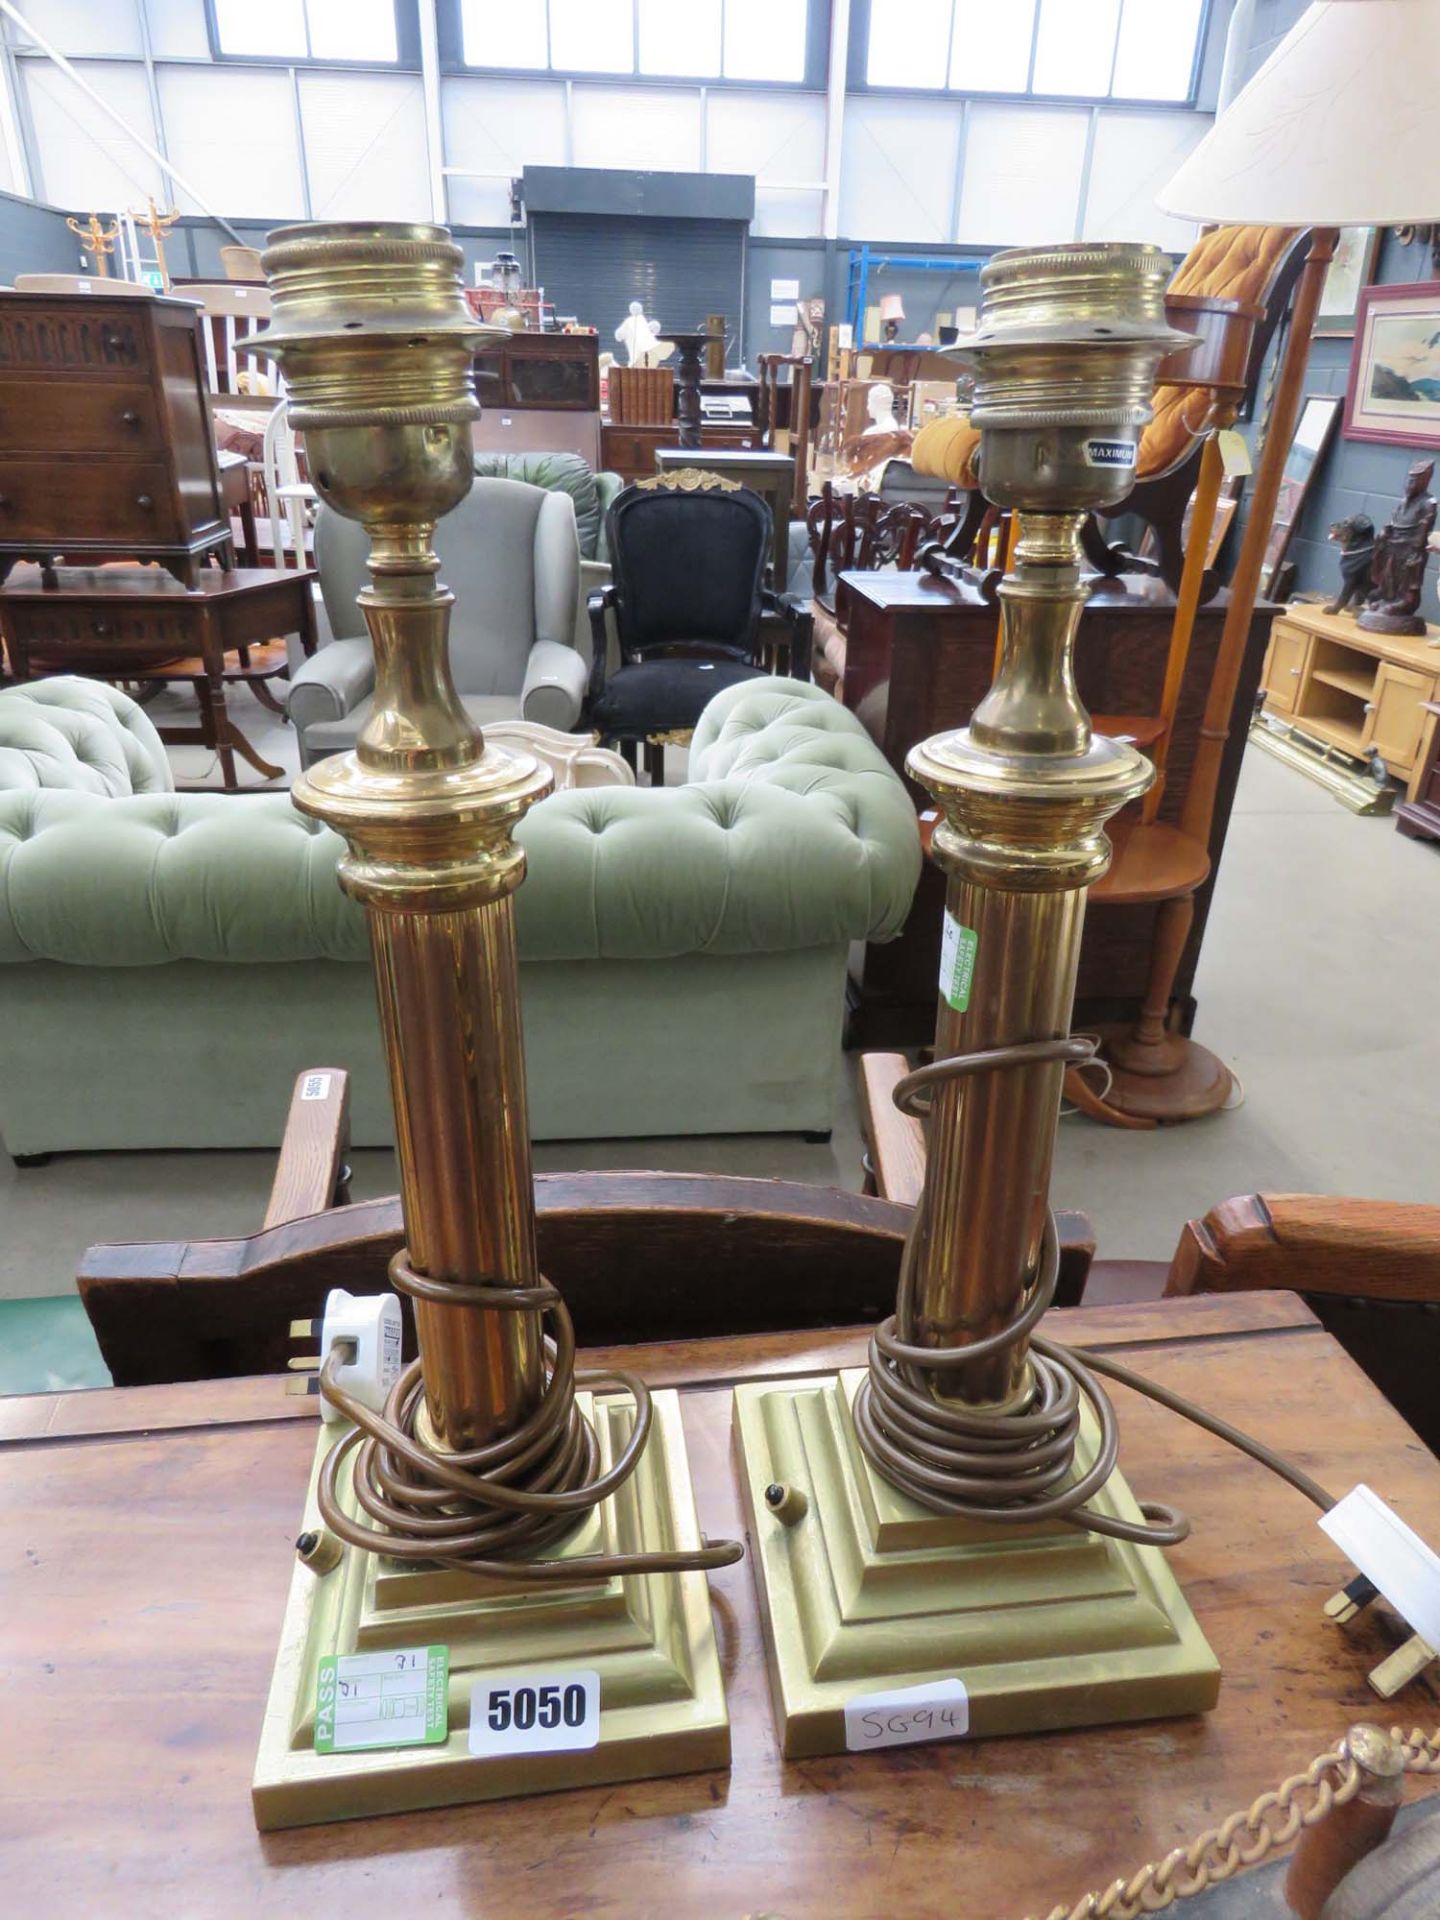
1251,270
638,1256
688,554
858,533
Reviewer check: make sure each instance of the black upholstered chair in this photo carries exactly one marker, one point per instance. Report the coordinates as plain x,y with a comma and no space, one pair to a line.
687,555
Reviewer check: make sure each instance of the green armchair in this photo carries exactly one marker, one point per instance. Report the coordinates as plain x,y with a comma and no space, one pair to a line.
591,493
169,962
511,556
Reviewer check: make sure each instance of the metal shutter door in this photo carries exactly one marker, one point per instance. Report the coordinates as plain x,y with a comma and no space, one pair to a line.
680,270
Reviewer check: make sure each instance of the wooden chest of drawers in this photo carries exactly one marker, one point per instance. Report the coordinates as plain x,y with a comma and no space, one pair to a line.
106,448
630,451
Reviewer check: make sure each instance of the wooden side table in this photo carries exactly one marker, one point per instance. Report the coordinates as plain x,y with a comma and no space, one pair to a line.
920,655
137,623
151,1533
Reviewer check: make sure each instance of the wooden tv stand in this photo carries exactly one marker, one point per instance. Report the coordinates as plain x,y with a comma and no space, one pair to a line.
1331,680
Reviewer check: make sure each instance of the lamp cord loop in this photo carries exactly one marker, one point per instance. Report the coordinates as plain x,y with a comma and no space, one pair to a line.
490,1510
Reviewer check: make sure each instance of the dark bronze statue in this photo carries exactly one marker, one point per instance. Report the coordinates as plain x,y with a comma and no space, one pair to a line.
1355,538
1397,571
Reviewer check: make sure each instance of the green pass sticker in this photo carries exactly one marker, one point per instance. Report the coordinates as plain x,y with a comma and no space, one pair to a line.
957,962
394,1699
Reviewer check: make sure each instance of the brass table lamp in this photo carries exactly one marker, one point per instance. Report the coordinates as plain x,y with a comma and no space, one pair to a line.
490,1507
952,1516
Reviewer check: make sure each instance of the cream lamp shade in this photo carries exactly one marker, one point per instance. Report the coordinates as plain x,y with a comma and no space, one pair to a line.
891,307
1337,129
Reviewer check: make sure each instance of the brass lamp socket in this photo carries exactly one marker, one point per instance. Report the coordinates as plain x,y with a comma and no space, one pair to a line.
377,344
1064,363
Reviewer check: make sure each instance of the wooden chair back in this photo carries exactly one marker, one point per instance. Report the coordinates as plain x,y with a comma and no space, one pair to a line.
638,1256
861,532
288,494
641,396
1369,1269
107,289
230,312
242,263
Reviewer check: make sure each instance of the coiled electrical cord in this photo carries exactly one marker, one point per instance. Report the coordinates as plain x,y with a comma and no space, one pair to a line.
489,1510
1014,1468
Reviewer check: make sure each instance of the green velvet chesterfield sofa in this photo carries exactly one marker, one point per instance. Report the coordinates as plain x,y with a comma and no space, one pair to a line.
169,962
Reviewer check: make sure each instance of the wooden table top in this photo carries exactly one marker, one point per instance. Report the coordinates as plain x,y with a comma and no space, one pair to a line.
1125,593
149,584
147,1551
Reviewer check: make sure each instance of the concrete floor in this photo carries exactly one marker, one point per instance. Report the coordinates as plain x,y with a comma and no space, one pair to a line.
1317,986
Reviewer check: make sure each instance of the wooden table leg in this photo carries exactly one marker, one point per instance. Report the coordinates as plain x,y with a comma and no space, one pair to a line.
245,509
246,751
261,691
210,689
309,636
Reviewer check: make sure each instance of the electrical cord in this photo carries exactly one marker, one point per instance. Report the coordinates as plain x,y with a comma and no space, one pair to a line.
489,1510
1017,1467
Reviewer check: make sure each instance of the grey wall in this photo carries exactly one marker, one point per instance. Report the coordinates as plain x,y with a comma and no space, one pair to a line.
34,239
197,249
1271,21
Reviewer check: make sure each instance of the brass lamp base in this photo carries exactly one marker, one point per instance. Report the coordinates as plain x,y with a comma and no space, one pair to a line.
863,1591
649,1636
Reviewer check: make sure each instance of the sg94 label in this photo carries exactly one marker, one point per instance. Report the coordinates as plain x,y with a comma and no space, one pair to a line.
939,1710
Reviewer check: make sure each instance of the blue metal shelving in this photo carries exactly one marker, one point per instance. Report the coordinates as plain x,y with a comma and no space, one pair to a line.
863,263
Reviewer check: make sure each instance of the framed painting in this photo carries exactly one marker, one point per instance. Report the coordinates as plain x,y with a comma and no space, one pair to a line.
1313,429
1346,278
1394,391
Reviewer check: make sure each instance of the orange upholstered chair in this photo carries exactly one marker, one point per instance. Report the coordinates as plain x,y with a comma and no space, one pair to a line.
1229,270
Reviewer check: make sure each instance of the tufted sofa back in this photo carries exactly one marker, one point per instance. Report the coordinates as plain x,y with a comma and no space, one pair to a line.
793,833
80,735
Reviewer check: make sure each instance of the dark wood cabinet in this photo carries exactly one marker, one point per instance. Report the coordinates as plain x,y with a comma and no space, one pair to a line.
551,370
630,451
919,656
105,435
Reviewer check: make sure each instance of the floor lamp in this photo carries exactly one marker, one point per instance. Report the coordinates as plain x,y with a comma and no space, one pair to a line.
1336,129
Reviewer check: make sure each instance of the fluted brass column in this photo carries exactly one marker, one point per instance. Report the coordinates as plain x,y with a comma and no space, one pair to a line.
1065,364
376,345
942,1518
503,1506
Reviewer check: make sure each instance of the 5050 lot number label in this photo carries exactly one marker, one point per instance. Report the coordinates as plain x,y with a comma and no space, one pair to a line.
535,1713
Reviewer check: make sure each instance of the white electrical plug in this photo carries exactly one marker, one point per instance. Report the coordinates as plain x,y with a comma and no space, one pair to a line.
367,1330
